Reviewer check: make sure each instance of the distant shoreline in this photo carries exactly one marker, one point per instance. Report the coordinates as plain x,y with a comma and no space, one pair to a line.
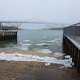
53,29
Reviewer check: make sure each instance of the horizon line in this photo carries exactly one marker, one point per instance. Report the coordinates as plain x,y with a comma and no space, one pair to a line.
38,22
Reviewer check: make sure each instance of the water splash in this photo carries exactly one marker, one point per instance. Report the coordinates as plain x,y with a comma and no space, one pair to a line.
22,57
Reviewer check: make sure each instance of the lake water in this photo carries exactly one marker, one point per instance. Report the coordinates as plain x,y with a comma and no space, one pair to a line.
37,38
41,39
32,38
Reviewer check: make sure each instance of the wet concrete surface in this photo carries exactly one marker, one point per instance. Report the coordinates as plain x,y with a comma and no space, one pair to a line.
10,70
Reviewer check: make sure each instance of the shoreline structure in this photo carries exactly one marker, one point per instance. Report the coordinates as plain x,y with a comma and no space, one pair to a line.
69,46
71,43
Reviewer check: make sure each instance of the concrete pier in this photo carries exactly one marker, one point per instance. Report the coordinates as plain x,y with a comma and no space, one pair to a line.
8,32
71,43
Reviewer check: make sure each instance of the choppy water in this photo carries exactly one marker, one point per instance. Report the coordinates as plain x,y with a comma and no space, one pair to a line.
37,39
41,39
48,60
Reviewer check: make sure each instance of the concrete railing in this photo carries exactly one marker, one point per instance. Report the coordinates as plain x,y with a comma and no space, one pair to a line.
71,43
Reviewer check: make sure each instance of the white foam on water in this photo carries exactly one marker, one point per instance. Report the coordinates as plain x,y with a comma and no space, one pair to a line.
41,44
67,57
26,41
22,57
44,51
26,44
23,47
53,40
58,54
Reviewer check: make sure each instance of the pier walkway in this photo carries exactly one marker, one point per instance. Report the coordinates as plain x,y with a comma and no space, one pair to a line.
71,43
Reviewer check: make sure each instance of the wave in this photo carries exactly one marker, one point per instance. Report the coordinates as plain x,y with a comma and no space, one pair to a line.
26,41
23,47
58,55
26,44
44,51
43,44
22,57
55,40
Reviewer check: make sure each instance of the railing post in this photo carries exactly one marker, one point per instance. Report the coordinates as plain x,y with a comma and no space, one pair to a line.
78,61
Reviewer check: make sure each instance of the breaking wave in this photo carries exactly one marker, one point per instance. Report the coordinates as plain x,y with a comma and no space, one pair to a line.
22,57
44,51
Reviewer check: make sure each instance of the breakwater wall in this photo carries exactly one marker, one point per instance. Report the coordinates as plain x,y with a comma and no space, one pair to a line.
71,43
8,32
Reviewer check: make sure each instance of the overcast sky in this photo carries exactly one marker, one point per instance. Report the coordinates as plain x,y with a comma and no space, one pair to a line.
59,11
